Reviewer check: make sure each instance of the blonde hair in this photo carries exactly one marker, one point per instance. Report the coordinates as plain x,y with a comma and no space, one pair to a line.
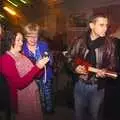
31,28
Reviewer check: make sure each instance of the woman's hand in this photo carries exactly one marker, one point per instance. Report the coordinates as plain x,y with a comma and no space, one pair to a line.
42,62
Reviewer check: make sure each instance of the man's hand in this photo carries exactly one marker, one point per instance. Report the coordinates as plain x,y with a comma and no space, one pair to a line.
101,73
80,69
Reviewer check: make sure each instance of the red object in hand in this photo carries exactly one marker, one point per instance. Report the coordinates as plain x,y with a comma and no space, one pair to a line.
89,68
79,61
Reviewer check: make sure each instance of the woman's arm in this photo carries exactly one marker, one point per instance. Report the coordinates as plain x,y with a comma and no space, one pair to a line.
12,75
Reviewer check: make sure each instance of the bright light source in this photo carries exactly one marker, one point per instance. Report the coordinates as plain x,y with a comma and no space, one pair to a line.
13,3
23,1
9,10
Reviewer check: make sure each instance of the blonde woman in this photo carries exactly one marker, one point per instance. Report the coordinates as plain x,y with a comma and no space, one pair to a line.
35,48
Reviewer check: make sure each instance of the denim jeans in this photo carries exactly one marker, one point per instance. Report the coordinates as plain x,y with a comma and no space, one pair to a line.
87,96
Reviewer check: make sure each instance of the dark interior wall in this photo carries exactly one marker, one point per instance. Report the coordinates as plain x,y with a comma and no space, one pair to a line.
34,11
112,12
88,4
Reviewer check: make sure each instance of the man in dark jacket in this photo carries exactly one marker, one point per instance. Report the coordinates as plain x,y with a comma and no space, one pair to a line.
98,50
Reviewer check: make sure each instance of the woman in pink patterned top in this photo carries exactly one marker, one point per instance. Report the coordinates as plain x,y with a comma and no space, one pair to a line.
19,73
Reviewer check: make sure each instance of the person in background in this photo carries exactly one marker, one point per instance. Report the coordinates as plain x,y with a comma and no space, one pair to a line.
35,49
0,31
19,73
4,89
1,37
112,88
98,50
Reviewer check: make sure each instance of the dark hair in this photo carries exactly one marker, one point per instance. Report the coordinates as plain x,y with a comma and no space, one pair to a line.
9,39
95,16
93,19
